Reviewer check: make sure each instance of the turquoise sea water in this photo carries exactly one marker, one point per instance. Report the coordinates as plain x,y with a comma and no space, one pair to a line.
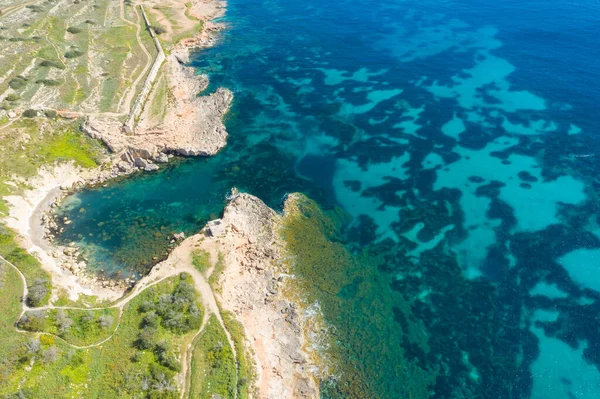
460,136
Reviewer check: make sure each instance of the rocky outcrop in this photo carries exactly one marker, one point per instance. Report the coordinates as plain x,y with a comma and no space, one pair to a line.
251,288
192,127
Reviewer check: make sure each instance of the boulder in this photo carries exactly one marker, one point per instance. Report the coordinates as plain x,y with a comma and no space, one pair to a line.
162,158
179,236
124,166
140,162
150,167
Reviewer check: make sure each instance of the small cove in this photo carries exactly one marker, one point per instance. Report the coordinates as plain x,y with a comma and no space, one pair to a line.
446,132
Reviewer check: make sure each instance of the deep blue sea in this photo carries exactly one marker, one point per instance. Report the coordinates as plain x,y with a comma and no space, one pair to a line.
462,139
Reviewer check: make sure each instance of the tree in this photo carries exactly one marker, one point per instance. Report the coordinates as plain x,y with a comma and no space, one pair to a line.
50,355
63,322
159,30
105,321
30,113
33,346
150,319
32,320
146,337
38,290
50,113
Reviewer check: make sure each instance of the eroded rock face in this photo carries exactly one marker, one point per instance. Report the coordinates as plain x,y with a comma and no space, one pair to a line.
194,128
251,289
192,124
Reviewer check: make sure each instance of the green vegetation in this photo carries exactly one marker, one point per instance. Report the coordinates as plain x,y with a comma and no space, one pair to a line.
73,53
158,106
245,362
178,311
71,146
143,344
30,113
12,97
44,367
37,279
26,148
76,326
213,365
38,292
50,113
11,290
34,8
18,82
216,273
201,260
344,285
52,64
74,30
159,30
48,82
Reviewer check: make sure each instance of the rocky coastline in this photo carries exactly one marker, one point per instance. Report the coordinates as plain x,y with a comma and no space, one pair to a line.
252,282
253,286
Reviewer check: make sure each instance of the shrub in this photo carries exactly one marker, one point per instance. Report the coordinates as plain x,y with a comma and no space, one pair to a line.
32,320
48,82
178,310
34,8
159,30
73,54
52,64
13,97
147,306
50,113
63,322
105,321
33,346
50,355
146,338
18,82
150,319
30,113
165,357
39,289
74,30
87,320
89,22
